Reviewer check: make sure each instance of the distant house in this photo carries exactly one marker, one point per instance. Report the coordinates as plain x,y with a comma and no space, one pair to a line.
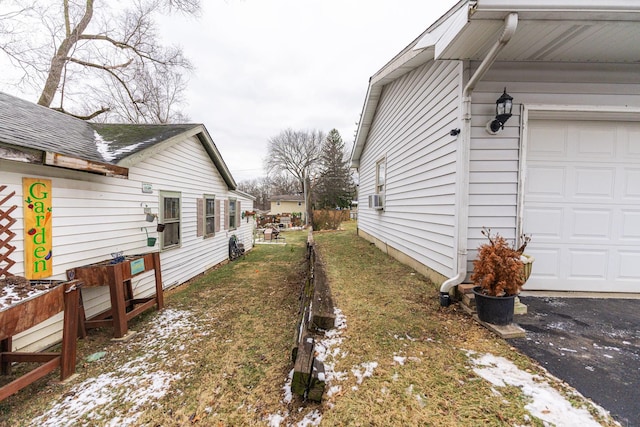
287,204
436,164
101,181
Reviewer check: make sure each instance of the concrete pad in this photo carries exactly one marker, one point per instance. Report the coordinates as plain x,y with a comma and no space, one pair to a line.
68,380
503,331
130,334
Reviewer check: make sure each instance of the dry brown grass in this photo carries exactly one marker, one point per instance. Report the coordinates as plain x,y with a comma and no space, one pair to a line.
235,361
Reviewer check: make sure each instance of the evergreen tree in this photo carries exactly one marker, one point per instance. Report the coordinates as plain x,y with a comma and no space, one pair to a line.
335,186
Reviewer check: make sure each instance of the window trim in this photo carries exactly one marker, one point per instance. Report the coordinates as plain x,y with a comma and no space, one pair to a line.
205,216
381,186
161,219
233,213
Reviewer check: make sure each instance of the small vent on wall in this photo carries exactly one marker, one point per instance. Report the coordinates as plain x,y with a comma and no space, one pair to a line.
376,201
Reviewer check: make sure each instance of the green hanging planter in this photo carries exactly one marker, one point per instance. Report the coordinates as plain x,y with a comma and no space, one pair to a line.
151,241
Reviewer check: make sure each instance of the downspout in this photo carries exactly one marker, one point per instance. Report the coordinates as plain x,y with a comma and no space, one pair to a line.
462,193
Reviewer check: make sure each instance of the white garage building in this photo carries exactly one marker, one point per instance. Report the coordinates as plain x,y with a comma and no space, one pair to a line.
564,168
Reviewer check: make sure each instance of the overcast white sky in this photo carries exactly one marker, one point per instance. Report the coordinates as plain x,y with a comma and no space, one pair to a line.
262,66
266,65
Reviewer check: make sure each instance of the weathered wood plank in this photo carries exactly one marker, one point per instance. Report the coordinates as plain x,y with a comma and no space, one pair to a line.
322,315
317,382
316,312
303,366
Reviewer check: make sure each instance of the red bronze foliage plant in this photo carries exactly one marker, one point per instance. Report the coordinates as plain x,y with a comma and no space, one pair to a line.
498,269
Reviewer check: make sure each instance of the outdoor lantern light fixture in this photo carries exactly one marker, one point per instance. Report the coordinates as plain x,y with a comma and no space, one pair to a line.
504,104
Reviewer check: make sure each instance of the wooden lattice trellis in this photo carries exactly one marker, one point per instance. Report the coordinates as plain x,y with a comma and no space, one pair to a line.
6,235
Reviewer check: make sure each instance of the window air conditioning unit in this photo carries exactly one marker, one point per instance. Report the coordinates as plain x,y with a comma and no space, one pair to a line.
376,201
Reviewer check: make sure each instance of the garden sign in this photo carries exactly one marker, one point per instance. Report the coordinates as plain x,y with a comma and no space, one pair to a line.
37,227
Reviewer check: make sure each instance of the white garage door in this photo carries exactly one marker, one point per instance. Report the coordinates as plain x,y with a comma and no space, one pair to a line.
582,205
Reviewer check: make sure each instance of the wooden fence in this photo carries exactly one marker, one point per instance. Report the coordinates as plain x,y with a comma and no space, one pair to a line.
316,314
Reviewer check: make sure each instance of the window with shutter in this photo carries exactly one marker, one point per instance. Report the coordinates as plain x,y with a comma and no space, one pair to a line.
209,215
170,217
232,212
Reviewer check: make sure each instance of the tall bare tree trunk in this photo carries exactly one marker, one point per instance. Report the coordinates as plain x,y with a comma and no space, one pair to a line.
62,54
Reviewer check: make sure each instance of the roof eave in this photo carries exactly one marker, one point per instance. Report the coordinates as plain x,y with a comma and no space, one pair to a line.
216,157
245,195
50,158
402,64
414,55
69,162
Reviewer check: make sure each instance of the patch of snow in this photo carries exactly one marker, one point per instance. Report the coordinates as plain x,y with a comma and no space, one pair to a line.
104,147
569,350
275,420
333,390
288,395
313,418
98,400
399,360
11,297
546,403
367,371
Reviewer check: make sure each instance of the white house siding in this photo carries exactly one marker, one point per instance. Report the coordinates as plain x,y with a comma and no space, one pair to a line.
411,129
495,160
94,216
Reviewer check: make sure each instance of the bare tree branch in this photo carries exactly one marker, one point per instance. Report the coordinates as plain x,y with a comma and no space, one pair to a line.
121,49
101,67
88,117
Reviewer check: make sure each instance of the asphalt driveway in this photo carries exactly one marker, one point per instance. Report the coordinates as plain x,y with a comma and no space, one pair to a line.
591,343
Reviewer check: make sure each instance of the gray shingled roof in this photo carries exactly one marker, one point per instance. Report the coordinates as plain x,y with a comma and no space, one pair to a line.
117,141
29,125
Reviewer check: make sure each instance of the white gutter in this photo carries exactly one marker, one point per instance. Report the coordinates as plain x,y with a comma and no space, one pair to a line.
462,190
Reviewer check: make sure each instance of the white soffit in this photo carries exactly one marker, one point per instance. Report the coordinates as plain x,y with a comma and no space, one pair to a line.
442,34
564,31
542,40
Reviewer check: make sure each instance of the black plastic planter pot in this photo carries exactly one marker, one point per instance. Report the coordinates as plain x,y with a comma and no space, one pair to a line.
495,310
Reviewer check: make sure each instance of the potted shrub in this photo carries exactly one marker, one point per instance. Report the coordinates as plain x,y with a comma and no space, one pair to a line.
499,272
